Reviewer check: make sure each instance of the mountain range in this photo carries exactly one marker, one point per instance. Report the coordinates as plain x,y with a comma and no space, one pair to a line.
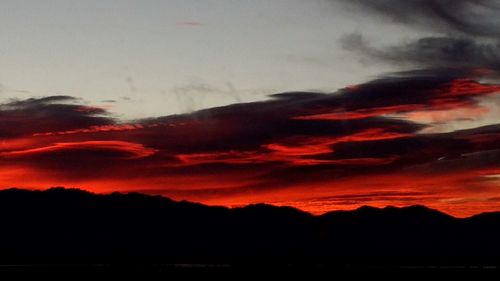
71,226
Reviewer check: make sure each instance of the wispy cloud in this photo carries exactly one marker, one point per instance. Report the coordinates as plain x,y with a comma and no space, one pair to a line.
190,23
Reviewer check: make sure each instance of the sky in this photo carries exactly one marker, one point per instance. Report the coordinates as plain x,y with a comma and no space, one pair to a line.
154,58
321,104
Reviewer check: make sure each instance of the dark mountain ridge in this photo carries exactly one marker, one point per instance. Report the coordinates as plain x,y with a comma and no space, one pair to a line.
73,226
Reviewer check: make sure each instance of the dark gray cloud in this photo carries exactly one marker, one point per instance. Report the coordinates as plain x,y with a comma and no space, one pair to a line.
466,33
47,114
431,52
470,17
447,52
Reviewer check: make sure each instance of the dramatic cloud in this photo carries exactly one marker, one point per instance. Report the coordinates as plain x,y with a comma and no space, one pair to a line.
366,139
400,139
428,136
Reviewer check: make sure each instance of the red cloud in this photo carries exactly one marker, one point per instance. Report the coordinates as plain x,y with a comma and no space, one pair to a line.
362,113
465,87
134,150
94,129
303,149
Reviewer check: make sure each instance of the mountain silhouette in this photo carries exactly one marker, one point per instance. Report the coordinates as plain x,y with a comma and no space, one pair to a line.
71,226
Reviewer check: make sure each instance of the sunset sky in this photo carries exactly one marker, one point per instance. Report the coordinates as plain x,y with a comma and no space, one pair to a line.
320,105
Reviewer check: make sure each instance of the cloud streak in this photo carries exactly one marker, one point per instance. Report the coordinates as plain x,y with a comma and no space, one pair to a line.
134,150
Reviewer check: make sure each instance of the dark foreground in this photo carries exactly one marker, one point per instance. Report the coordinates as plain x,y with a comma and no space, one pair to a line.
74,229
